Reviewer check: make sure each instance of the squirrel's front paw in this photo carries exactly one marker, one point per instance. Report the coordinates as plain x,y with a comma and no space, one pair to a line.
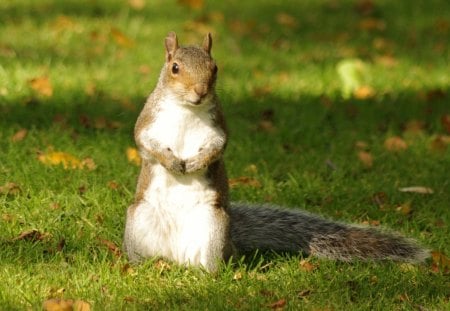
177,166
194,164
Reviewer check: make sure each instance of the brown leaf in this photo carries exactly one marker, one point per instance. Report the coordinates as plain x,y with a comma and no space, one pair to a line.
10,188
193,4
365,7
42,86
244,181
19,135
307,266
162,265
278,305
365,158
395,144
440,262
361,145
121,39
113,185
133,156
445,121
417,189
440,143
113,248
32,235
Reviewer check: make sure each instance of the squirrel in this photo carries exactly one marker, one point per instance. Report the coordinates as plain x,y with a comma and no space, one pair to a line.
181,209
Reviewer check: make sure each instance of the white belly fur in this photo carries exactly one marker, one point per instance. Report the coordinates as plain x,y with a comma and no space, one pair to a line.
175,220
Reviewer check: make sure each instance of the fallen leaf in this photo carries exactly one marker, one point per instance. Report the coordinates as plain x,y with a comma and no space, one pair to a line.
387,61
405,208
121,39
67,160
417,189
42,86
113,185
372,222
440,143
137,4
193,4
414,127
244,181
19,135
278,305
365,7
133,156
113,248
237,276
395,144
440,262
365,158
445,121
307,266
10,188
32,235
364,92
162,265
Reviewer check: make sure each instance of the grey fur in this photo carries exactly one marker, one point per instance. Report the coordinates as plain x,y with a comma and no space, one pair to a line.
288,230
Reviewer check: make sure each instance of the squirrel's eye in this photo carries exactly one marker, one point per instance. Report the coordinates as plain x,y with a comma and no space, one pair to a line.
175,68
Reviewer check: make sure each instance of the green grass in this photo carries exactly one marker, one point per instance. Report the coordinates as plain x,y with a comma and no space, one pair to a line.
102,59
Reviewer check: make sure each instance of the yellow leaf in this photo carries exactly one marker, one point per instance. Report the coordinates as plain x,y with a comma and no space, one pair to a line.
364,92
10,188
42,86
305,265
133,156
67,160
395,144
405,208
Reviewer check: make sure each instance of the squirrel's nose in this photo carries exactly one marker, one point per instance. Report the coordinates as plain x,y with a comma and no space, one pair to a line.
201,90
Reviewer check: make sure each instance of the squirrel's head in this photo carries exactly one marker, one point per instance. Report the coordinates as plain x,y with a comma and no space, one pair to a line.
190,71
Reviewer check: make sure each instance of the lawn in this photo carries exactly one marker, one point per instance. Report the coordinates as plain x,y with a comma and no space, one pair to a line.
333,107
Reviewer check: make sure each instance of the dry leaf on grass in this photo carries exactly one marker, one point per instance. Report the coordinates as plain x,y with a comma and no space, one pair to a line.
365,158
10,188
244,181
306,265
364,92
113,248
32,235
440,262
19,135
133,156
67,160
395,144
405,208
42,86
278,305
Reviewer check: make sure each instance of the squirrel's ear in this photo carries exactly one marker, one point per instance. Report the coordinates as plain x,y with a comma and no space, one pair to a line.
171,43
207,43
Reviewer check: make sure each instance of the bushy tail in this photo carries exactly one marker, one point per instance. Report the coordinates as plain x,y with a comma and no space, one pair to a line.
285,230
